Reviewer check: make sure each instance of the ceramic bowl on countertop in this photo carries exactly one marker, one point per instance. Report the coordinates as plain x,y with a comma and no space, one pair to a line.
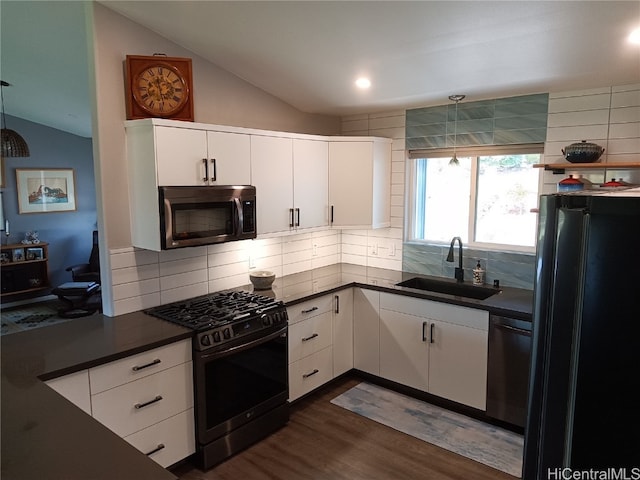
262,279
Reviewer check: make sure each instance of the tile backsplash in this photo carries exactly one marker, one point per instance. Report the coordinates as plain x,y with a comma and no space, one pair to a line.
143,279
511,269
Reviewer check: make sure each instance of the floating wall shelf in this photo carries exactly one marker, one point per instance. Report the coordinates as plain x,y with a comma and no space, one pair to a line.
561,167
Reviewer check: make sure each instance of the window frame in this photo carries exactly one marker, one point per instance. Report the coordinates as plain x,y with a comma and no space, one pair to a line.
474,153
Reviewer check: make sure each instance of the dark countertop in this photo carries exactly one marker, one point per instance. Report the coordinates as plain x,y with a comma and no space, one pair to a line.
46,436
296,288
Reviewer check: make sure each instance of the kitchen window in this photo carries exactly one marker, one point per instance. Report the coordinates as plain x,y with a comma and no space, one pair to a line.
487,198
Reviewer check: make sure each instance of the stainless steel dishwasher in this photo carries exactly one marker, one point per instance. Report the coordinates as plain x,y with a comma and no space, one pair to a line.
508,369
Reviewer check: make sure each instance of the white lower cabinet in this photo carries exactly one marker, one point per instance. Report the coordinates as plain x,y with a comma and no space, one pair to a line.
75,388
133,406
342,323
310,372
435,347
168,441
310,345
147,399
366,330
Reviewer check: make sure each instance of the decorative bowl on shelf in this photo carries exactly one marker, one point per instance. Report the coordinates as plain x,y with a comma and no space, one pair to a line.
262,279
582,152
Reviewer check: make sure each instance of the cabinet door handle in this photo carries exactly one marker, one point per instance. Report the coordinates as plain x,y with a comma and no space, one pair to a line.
307,375
337,297
424,331
312,309
157,449
213,164
331,221
206,170
298,217
431,333
291,223
306,339
146,365
138,406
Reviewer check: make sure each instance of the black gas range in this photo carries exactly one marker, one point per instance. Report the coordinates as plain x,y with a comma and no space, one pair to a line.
240,362
222,317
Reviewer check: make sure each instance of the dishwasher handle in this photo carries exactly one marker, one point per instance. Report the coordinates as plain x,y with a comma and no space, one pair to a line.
516,330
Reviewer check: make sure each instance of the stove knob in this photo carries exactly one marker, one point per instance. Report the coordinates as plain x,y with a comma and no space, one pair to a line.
205,341
266,320
226,334
216,336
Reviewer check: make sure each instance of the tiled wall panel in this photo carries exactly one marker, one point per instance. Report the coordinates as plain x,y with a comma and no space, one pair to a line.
141,279
608,116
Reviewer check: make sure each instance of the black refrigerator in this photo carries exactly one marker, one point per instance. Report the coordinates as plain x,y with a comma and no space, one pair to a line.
583,405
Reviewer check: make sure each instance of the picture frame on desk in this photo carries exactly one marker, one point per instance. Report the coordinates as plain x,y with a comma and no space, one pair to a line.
44,191
17,255
34,253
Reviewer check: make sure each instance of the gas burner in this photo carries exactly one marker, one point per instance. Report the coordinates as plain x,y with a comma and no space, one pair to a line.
223,316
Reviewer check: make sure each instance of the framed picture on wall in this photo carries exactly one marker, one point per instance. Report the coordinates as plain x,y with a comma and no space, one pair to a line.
43,191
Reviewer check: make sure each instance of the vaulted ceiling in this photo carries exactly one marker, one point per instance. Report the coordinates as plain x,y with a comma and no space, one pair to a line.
309,53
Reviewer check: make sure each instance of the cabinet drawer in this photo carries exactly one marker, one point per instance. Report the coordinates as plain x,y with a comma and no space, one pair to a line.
309,336
131,407
170,441
464,316
310,372
309,309
138,366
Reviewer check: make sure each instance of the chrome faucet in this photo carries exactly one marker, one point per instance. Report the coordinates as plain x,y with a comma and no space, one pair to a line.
459,272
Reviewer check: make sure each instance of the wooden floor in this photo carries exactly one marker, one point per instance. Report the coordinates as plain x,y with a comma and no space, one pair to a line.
324,441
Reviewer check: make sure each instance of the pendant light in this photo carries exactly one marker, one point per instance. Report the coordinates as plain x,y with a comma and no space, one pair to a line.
13,145
454,159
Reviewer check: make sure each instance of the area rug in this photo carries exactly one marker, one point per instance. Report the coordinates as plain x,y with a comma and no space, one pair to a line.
30,316
479,441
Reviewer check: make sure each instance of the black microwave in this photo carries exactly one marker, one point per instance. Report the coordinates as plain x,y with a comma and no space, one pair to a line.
205,215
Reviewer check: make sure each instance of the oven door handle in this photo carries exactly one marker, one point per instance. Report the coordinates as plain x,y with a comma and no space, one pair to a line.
243,347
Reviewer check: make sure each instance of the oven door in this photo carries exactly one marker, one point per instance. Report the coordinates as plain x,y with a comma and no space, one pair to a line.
240,383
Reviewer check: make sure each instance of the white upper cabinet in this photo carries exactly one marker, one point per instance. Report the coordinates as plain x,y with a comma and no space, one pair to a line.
360,182
290,176
229,156
310,183
165,155
272,175
180,155
198,157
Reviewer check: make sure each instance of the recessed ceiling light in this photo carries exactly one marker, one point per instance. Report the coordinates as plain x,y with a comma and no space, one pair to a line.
363,83
634,36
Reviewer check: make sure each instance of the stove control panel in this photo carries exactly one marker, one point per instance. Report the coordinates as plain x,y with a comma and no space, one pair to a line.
260,321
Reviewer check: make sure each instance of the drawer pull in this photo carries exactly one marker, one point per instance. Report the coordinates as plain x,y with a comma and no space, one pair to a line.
307,375
147,365
306,339
138,406
312,309
157,449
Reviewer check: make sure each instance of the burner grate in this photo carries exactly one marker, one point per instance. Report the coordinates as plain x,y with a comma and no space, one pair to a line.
212,310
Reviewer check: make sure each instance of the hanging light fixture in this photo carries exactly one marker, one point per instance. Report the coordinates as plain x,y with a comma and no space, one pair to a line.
13,145
454,159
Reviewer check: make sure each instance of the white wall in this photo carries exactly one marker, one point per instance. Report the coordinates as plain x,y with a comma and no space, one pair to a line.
608,116
381,247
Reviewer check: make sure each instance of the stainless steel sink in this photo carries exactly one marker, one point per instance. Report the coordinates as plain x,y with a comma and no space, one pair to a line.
449,287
